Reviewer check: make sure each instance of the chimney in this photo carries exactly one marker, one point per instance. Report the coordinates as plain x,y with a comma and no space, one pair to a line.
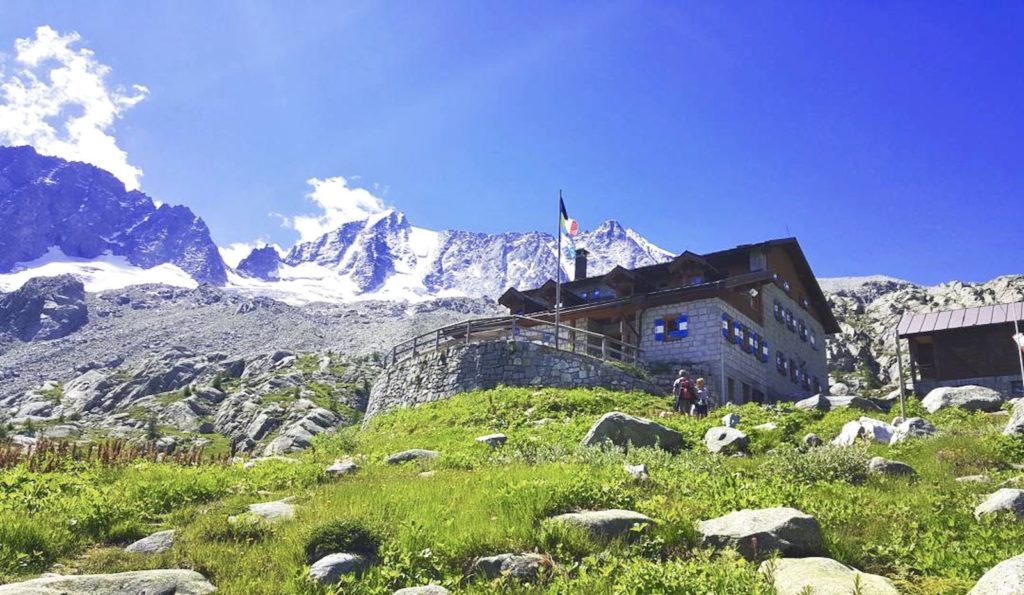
581,264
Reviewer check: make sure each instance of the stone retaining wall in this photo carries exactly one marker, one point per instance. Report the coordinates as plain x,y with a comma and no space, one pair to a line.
441,374
1008,386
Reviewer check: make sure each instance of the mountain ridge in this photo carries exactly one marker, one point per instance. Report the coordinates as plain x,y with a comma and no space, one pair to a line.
86,212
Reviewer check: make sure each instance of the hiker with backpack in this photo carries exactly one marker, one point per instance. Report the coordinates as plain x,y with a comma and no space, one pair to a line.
684,393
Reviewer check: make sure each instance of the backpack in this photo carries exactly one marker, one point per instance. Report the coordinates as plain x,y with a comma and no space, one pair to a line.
685,391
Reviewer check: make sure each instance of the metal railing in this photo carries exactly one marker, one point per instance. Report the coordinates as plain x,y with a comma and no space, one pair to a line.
516,328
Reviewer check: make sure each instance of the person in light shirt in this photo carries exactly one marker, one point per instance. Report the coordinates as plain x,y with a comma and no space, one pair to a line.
703,402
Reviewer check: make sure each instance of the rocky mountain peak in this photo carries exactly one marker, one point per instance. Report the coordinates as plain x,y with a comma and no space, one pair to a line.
261,263
84,212
609,229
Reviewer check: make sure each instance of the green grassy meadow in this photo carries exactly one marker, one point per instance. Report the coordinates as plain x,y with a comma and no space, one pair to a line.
919,532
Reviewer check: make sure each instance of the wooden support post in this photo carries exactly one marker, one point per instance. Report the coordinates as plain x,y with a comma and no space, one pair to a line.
604,347
437,339
903,385
414,346
467,333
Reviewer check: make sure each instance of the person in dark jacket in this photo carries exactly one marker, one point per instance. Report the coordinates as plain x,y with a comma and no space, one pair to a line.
685,395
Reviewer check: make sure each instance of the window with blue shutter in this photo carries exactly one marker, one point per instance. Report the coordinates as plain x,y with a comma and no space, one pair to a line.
764,351
814,340
780,363
682,326
777,310
751,342
803,331
737,333
726,326
659,329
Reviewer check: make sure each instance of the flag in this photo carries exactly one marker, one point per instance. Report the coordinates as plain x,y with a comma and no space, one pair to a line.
570,226
567,228
1019,338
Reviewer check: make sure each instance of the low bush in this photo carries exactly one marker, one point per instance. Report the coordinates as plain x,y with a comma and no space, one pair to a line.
827,463
341,536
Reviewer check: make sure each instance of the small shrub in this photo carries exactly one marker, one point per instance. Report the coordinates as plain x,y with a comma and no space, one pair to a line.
828,463
341,536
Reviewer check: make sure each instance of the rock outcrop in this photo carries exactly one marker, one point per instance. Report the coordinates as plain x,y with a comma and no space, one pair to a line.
329,569
1005,578
261,263
623,430
271,512
1003,500
725,440
177,582
154,544
524,567
758,533
411,455
913,427
866,428
883,466
606,524
44,308
1016,424
968,398
823,576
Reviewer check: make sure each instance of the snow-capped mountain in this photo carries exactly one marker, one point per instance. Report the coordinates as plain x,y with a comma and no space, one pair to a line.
385,256
51,207
59,217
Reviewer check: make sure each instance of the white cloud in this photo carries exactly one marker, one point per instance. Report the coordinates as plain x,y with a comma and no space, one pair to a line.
340,202
235,253
56,99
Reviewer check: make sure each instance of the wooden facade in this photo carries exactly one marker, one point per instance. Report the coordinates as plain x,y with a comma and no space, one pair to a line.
964,346
963,353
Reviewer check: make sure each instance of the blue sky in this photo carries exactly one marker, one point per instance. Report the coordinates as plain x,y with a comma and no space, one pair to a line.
888,137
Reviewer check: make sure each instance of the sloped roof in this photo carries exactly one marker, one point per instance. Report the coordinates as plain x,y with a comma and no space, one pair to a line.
722,259
929,322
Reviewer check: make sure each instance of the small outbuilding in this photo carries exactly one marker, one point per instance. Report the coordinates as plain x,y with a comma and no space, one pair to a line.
973,346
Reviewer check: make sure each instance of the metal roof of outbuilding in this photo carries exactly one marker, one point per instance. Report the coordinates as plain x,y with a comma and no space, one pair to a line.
927,322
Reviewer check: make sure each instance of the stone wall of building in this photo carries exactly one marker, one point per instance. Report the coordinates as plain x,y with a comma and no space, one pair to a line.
780,338
707,353
441,374
1008,386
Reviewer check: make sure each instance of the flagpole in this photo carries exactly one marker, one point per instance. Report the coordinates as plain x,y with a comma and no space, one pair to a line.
558,268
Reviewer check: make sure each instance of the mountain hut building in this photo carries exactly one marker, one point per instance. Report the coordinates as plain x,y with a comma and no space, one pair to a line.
751,320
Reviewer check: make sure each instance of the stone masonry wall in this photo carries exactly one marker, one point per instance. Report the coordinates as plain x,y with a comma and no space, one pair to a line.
441,374
1004,384
780,338
708,354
